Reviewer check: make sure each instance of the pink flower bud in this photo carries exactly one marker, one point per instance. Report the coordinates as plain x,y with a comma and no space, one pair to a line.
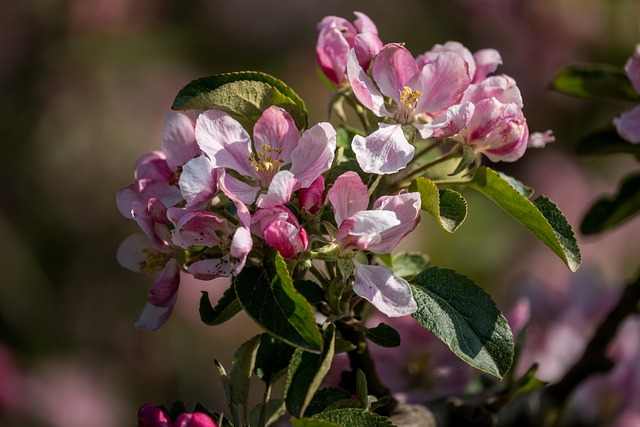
152,416
194,419
311,199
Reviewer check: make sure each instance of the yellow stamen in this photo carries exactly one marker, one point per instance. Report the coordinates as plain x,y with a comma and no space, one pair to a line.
267,162
409,97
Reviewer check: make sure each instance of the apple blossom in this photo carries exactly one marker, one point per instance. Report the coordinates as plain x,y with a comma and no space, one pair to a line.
380,229
281,230
157,172
337,36
281,160
420,97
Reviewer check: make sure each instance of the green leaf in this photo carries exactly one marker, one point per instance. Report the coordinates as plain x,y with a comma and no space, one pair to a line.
272,359
463,316
244,95
310,290
383,335
408,264
606,142
610,212
448,206
517,185
362,390
595,81
306,372
528,382
324,398
352,417
274,410
268,296
308,422
227,307
240,376
542,217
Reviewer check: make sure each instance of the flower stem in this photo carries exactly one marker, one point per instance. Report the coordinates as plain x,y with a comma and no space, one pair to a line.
420,171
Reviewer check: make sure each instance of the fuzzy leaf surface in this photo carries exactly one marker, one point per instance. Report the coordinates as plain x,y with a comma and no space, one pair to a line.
541,216
352,417
244,95
463,316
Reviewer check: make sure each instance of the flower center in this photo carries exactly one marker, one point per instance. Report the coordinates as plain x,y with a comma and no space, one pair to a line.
408,102
267,163
155,261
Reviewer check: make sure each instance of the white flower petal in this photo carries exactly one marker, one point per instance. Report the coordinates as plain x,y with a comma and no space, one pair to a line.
387,292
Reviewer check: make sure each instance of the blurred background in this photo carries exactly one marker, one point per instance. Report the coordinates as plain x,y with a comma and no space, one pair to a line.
84,88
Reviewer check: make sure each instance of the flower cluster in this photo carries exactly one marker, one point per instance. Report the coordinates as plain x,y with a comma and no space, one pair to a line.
304,218
446,92
219,194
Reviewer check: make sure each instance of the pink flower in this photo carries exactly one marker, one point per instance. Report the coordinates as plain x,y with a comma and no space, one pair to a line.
380,230
480,64
134,253
312,198
337,36
628,124
279,160
235,250
497,130
153,254
280,229
420,97
157,172
152,416
194,419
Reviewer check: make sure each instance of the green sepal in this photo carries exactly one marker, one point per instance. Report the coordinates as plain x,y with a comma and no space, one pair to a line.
463,316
